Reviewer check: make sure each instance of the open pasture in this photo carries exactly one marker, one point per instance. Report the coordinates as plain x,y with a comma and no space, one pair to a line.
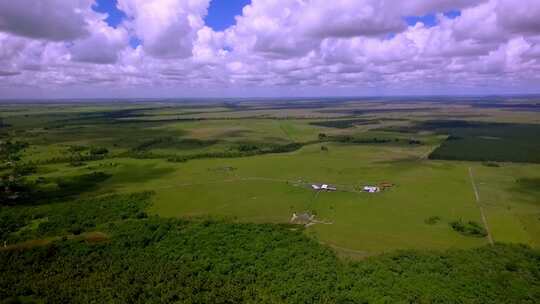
367,146
269,188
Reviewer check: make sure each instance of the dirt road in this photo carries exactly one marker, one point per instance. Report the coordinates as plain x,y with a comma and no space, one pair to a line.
482,214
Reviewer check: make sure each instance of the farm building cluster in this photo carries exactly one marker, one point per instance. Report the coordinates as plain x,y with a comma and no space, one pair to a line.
367,188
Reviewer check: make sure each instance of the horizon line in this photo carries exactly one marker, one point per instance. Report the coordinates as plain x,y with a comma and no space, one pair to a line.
278,97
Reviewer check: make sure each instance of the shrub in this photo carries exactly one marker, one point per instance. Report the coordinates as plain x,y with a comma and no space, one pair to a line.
98,151
247,147
470,228
77,163
76,229
432,220
342,124
24,169
75,148
141,215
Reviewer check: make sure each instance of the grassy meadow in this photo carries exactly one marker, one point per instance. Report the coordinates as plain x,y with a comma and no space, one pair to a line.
269,188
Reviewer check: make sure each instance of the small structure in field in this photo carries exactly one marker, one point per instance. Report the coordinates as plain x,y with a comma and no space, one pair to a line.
223,169
386,185
323,187
371,189
304,218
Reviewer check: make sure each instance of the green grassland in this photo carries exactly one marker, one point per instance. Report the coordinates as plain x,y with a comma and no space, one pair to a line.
269,188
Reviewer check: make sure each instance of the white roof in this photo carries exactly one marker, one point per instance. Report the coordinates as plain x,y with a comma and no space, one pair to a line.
371,188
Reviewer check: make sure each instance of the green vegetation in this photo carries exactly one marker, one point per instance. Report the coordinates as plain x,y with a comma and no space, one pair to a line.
9,150
75,217
470,228
98,151
157,260
486,141
191,203
171,142
432,220
19,190
243,150
529,186
343,123
365,139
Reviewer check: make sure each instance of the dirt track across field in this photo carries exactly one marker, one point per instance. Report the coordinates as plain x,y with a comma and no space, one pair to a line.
477,196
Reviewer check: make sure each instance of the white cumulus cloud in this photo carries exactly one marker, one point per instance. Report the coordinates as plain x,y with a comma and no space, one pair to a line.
283,45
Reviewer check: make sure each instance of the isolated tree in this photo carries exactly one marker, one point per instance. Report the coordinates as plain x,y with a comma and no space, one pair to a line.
99,151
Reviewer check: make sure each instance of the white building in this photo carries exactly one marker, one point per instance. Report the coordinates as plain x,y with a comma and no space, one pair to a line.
323,187
371,189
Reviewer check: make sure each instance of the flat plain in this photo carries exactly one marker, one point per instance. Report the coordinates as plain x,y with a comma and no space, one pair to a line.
224,201
225,172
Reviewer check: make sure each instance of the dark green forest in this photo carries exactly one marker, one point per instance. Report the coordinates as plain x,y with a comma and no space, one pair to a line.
480,141
343,123
141,259
476,141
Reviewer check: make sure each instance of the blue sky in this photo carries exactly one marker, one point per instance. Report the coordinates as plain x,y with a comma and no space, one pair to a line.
220,15
115,17
430,20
